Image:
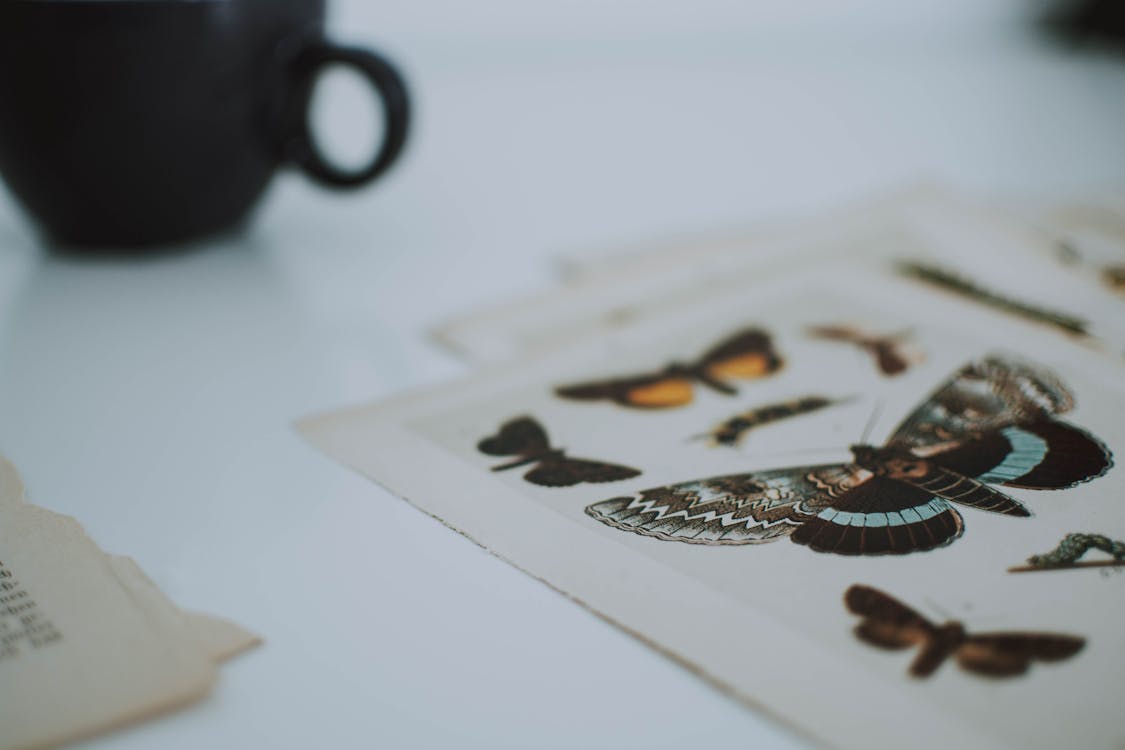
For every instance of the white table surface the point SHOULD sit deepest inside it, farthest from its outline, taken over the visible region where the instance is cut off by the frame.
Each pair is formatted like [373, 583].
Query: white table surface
[154, 399]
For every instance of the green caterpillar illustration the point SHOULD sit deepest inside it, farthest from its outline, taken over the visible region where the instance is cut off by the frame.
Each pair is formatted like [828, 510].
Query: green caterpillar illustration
[1073, 547]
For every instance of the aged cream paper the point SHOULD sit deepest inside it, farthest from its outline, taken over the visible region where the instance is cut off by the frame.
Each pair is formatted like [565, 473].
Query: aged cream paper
[220, 638]
[1084, 237]
[87, 641]
[925, 226]
[767, 621]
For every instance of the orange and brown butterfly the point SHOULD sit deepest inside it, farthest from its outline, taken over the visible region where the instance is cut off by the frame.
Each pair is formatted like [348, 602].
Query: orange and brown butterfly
[885, 348]
[525, 438]
[747, 355]
[890, 624]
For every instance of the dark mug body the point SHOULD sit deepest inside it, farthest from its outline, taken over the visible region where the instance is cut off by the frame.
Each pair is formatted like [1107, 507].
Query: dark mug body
[138, 122]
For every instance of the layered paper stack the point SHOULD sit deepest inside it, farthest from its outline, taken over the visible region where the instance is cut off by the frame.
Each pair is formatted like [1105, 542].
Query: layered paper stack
[857, 471]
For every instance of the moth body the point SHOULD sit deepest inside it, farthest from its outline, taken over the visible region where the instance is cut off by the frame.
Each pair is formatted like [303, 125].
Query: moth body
[942, 643]
[558, 453]
[732, 430]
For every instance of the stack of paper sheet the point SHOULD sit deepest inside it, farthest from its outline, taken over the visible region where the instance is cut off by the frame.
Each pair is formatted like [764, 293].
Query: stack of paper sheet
[857, 471]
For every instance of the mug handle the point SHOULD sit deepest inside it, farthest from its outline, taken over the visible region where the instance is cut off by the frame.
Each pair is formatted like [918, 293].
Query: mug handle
[300, 146]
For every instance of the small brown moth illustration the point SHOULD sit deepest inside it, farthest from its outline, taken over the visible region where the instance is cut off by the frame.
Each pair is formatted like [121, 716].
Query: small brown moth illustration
[526, 439]
[747, 355]
[890, 624]
[885, 348]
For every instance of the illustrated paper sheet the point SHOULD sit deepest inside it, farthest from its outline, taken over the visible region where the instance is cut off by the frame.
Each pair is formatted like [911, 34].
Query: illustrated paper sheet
[813, 495]
[926, 235]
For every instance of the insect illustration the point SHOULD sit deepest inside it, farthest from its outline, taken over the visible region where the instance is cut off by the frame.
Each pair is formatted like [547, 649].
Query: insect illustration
[526, 439]
[1070, 551]
[890, 624]
[992, 423]
[957, 284]
[1111, 273]
[886, 348]
[747, 355]
[1114, 277]
[731, 431]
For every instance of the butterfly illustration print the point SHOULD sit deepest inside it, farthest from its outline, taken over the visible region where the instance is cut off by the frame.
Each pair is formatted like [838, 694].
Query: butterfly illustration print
[885, 348]
[526, 439]
[993, 423]
[747, 355]
[890, 624]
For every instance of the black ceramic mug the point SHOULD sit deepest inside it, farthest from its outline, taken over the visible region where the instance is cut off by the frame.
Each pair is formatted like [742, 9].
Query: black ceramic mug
[137, 122]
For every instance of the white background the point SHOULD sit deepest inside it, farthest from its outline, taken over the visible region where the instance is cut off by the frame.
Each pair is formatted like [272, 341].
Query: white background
[153, 400]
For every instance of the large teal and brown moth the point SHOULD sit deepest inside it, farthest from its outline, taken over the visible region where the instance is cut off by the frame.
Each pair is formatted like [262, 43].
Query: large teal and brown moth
[993, 424]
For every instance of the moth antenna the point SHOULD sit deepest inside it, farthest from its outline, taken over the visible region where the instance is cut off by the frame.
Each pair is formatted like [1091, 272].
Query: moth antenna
[805, 450]
[986, 620]
[932, 605]
[871, 422]
[902, 335]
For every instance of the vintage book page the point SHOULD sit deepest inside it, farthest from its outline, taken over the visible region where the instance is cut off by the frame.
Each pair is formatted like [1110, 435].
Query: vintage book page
[86, 642]
[836, 450]
[220, 638]
[927, 236]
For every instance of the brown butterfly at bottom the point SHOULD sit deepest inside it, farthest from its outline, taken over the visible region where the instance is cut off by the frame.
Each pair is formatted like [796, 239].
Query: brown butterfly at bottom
[888, 623]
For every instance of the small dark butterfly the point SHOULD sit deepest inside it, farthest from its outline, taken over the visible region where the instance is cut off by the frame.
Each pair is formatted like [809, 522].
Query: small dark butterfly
[748, 355]
[888, 623]
[886, 349]
[993, 424]
[525, 438]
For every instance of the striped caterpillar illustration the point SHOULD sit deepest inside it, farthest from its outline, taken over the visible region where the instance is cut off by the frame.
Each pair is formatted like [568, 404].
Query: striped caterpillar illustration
[1073, 547]
[732, 430]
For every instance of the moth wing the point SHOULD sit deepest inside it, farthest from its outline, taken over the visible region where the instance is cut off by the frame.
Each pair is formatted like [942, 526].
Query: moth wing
[991, 663]
[659, 391]
[1009, 654]
[747, 354]
[984, 396]
[880, 516]
[566, 472]
[891, 362]
[887, 623]
[520, 436]
[724, 510]
[888, 636]
[1037, 455]
[1038, 646]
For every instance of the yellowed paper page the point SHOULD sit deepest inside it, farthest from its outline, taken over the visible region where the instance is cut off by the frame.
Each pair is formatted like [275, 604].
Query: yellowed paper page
[220, 638]
[79, 652]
